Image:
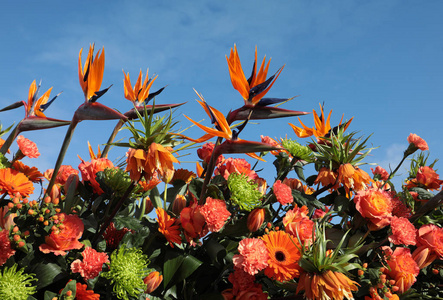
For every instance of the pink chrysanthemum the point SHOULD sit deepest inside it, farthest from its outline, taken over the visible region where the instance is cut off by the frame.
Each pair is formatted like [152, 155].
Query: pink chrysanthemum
[5, 247]
[253, 256]
[215, 213]
[27, 147]
[403, 232]
[282, 192]
[91, 265]
[380, 173]
[418, 142]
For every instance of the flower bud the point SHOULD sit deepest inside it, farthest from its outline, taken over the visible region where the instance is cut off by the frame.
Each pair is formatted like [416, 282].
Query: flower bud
[152, 281]
[178, 204]
[148, 205]
[256, 219]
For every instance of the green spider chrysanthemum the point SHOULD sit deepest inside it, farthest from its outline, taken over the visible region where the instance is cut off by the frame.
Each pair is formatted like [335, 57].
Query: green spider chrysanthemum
[16, 285]
[244, 192]
[297, 150]
[4, 162]
[127, 269]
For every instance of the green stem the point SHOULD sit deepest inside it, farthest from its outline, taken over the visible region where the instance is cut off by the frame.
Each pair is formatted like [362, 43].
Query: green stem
[10, 139]
[391, 175]
[111, 138]
[114, 212]
[165, 194]
[61, 155]
[208, 172]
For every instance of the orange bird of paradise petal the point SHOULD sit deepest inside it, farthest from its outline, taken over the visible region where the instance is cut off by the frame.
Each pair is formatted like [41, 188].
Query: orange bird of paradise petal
[322, 126]
[221, 129]
[256, 87]
[140, 92]
[91, 75]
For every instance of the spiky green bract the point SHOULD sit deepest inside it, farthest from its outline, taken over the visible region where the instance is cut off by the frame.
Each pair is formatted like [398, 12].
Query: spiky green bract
[116, 179]
[154, 130]
[127, 269]
[338, 149]
[16, 285]
[297, 150]
[244, 192]
[4, 162]
[317, 259]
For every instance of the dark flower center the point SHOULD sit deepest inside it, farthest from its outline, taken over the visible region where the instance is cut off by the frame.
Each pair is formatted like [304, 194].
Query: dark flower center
[280, 256]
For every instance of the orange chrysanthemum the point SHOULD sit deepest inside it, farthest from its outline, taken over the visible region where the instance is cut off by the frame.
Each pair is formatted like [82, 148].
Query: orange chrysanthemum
[248, 87]
[12, 182]
[253, 256]
[27, 147]
[91, 265]
[418, 142]
[283, 256]
[31, 172]
[402, 267]
[168, 227]
[283, 193]
[5, 246]
[327, 285]
[403, 231]
[215, 213]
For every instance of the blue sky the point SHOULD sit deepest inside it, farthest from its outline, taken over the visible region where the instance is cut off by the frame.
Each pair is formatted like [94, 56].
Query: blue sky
[377, 61]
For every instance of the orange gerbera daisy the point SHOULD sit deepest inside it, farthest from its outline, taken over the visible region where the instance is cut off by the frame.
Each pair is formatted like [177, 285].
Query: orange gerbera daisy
[168, 227]
[254, 88]
[12, 182]
[31, 172]
[322, 126]
[327, 285]
[283, 256]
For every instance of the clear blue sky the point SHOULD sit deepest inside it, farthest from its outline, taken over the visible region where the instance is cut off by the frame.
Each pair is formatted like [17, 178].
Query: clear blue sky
[377, 61]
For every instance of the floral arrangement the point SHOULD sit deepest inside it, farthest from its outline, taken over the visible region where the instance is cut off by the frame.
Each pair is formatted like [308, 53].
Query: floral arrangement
[105, 230]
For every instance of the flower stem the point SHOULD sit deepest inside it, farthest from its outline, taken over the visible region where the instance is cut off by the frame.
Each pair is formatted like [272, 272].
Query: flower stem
[61, 155]
[10, 139]
[111, 137]
[165, 194]
[114, 212]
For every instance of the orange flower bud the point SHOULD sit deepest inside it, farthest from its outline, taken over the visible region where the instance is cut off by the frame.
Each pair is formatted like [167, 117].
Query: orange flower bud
[10, 205]
[148, 205]
[46, 223]
[17, 237]
[19, 206]
[178, 204]
[21, 244]
[69, 293]
[25, 201]
[256, 219]
[30, 212]
[360, 272]
[47, 200]
[152, 281]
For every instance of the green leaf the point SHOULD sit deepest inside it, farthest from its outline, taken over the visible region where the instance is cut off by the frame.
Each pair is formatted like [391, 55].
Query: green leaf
[172, 262]
[46, 273]
[189, 265]
[155, 198]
